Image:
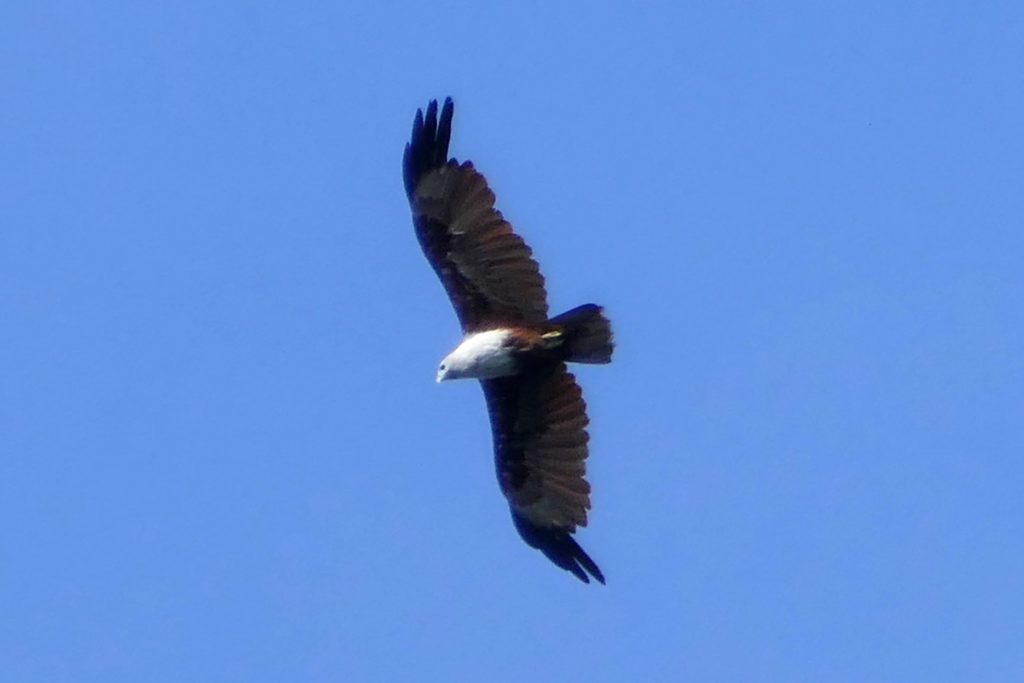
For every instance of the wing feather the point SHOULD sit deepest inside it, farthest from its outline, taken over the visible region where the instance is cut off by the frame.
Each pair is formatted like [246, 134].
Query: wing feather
[538, 421]
[486, 269]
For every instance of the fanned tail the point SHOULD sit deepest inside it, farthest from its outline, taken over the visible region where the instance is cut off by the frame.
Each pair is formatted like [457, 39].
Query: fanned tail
[588, 334]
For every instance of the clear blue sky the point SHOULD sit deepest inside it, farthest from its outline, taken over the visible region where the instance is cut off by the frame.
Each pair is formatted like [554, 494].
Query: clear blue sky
[224, 456]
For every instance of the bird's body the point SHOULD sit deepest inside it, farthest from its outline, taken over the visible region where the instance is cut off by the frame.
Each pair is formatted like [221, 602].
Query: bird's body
[504, 351]
[519, 354]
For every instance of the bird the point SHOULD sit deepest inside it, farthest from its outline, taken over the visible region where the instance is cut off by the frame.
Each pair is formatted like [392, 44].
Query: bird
[537, 413]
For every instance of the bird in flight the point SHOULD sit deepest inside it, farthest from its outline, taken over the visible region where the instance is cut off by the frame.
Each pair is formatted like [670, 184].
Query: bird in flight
[538, 416]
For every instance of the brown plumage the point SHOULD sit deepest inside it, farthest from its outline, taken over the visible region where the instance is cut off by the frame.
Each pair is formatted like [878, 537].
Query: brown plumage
[538, 416]
[486, 268]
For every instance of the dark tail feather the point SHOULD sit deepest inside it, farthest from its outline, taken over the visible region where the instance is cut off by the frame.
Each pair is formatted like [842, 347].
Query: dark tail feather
[560, 548]
[588, 334]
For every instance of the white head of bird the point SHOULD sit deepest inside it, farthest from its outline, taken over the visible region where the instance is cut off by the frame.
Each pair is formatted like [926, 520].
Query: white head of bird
[484, 355]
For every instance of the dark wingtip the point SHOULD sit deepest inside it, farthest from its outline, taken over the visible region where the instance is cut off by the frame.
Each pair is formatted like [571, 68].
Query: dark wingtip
[559, 547]
[428, 144]
[444, 130]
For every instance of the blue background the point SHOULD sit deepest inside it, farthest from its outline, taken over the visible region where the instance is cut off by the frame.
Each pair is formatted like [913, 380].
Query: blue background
[224, 456]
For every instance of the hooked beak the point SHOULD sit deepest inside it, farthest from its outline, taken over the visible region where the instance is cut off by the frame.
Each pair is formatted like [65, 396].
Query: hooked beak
[442, 371]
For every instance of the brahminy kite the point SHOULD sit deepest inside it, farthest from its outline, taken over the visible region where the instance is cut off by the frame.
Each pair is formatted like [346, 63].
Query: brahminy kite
[538, 416]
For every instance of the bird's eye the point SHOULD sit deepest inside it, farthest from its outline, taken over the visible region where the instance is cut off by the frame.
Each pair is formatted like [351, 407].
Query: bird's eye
[443, 367]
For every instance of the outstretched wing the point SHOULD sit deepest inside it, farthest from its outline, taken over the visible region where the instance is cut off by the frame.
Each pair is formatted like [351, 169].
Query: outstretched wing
[486, 268]
[539, 421]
